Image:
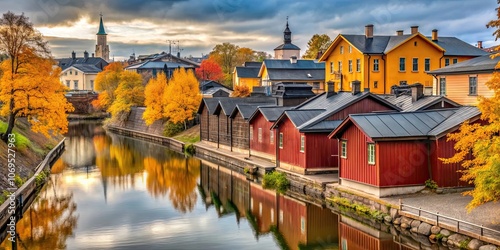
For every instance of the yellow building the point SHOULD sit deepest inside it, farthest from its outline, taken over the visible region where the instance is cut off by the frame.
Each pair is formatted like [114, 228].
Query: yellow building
[80, 77]
[247, 75]
[464, 82]
[380, 62]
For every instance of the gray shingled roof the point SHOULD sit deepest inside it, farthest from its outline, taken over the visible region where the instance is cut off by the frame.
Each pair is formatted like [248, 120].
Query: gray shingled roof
[65, 63]
[299, 117]
[87, 68]
[474, 65]
[457, 47]
[412, 124]
[245, 110]
[296, 74]
[210, 103]
[289, 46]
[247, 72]
[375, 45]
[323, 126]
[214, 90]
[270, 113]
[253, 64]
[227, 104]
[406, 104]
[159, 65]
[394, 41]
[286, 64]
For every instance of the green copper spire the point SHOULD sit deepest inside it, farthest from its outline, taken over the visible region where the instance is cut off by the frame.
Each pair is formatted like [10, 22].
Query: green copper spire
[101, 28]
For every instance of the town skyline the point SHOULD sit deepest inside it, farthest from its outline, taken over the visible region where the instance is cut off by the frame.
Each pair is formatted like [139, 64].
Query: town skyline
[140, 28]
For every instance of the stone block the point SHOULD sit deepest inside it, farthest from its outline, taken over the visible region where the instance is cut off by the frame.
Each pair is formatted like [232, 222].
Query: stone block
[415, 223]
[456, 239]
[394, 213]
[475, 244]
[397, 221]
[404, 225]
[488, 247]
[435, 230]
[388, 218]
[384, 209]
[424, 229]
[406, 220]
[445, 232]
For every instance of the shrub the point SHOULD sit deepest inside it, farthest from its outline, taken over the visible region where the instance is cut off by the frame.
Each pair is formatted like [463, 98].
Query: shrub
[21, 142]
[277, 181]
[431, 184]
[18, 181]
[40, 178]
[190, 150]
[172, 129]
[439, 236]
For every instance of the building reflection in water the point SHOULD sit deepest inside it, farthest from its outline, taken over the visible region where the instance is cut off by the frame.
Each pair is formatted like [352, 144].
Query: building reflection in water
[293, 223]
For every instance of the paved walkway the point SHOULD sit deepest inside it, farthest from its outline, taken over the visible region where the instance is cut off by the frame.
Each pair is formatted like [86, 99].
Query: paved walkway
[452, 205]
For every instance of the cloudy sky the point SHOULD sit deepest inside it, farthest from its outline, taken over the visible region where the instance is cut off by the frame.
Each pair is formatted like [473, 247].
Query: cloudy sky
[145, 27]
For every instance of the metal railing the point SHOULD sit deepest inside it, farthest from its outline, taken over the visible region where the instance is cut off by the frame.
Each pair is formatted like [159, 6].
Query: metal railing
[459, 226]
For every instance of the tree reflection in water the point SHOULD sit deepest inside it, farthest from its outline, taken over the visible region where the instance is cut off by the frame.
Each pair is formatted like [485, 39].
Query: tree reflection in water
[48, 222]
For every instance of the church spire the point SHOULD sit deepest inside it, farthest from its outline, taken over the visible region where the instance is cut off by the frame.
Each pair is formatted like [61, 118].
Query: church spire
[287, 34]
[101, 28]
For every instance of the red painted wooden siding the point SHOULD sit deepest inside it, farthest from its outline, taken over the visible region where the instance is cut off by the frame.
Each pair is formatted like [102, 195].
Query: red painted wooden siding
[366, 105]
[319, 150]
[355, 167]
[265, 146]
[290, 153]
[402, 163]
[446, 175]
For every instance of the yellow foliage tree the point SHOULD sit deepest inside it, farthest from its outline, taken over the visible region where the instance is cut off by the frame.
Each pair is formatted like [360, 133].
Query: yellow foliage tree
[483, 141]
[153, 99]
[181, 97]
[130, 92]
[106, 83]
[241, 91]
[33, 90]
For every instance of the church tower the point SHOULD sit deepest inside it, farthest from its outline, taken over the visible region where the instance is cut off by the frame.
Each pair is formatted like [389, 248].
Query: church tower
[287, 49]
[102, 47]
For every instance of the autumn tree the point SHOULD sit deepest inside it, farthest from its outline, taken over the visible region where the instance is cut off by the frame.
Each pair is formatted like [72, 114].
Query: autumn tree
[181, 97]
[210, 70]
[29, 86]
[483, 141]
[129, 93]
[153, 99]
[318, 43]
[241, 91]
[106, 83]
[228, 56]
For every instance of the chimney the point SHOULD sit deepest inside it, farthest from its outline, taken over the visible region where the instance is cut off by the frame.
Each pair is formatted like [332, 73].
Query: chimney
[414, 30]
[356, 87]
[92, 55]
[367, 90]
[179, 54]
[73, 55]
[399, 32]
[434, 35]
[417, 91]
[320, 53]
[369, 31]
[480, 44]
[330, 89]
[293, 59]
[86, 54]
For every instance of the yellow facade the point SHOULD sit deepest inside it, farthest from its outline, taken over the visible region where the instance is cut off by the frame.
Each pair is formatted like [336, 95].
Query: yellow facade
[76, 79]
[457, 87]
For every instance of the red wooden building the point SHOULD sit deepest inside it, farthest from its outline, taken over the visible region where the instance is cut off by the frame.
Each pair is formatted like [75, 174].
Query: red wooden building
[395, 153]
[302, 143]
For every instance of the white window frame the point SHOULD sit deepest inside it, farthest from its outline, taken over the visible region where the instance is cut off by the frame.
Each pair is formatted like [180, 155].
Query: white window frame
[376, 65]
[302, 143]
[358, 65]
[371, 153]
[280, 141]
[402, 64]
[349, 63]
[271, 137]
[259, 135]
[343, 149]
[251, 132]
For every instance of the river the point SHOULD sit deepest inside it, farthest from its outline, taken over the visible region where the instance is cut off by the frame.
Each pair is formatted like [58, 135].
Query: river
[112, 192]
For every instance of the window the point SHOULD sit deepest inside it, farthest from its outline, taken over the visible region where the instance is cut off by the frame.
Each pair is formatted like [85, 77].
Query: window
[75, 83]
[371, 153]
[331, 68]
[259, 135]
[403, 83]
[68, 83]
[341, 49]
[427, 64]
[350, 66]
[402, 66]
[415, 65]
[375, 84]
[280, 144]
[76, 72]
[358, 65]
[455, 60]
[442, 86]
[302, 224]
[251, 132]
[375, 64]
[271, 137]
[343, 149]
[472, 85]
[446, 61]
[340, 66]
[70, 72]
[281, 216]
[350, 49]
[302, 143]
[91, 84]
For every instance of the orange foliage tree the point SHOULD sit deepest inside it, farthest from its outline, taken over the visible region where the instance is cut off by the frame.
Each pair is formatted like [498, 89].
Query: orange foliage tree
[483, 141]
[153, 98]
[130, 92]
[106, 83]
[181, 97]
[241, 91]
[29, 85]
[210, 70]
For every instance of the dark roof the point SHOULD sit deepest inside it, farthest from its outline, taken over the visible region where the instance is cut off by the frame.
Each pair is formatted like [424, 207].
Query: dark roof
[334, 104]
[421, 124]
[204, 85]
[287, 64]
[273, 113]
[159, 65]
[227, 104]
[65, 63]
[287, 46]
[290, 75]
[163, 56]
[245, 110]
[474, 65]
[406, 104]
[375, 45]
[87, 68]
[214, 90]
[323, 126]
[293, 90]
[210, 103]
[247, 72]
[299, 117]
[253, 64]
[457, 47]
